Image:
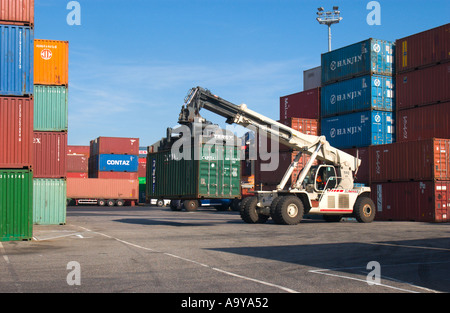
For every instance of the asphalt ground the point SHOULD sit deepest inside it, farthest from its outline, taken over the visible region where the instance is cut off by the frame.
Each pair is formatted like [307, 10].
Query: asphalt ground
[147, 249]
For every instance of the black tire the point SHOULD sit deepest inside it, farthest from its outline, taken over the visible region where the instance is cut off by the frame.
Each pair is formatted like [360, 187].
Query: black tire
[364, 210]
[160, 203]
[120, 202]
[236, 205]
[289, 210]
[175, 205]
[332, 218]
[101, 202]
[110, 202]
[273, 207]
[249, 214]
[190, 205]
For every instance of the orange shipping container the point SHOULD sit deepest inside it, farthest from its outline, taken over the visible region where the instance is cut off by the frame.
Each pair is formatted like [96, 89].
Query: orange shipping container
[98, 188]
[51, 62]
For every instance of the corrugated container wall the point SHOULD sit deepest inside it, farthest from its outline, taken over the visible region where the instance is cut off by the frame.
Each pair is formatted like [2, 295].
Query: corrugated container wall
[81, 188]
[115, 145]
[371, 56]
[16, 205]
[312, 78]
[16, 60]
[50, 154]
[424, 201]
[17, 12]
[371, 92]
[359, 129]
[305, 104]
[113, 175]
[419, 160]
[50, 108]
[432, 121]
[422, 87]
[51, 62]
[422, 49]
[16, 132]
[217, 174]
[49, 201]
[84, 150]
[77, 163]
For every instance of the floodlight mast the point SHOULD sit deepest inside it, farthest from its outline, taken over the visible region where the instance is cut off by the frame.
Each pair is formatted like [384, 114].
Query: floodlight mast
[329, 18]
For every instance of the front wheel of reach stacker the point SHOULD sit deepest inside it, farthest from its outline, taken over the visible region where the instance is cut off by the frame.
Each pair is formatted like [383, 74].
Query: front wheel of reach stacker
[249, 211]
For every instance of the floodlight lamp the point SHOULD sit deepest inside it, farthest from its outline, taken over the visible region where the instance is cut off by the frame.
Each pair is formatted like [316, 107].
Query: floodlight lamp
[335, 8]
[320, 9]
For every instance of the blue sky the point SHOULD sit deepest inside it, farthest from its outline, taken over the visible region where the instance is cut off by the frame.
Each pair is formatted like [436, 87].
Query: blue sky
[133, 62]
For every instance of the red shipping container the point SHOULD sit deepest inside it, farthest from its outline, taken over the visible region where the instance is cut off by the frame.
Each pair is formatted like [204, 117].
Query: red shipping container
[422, 87]
[142, 167]
[17, 12]
[273, 178]
[363, 174]
[422, 49]
[96, 188]
[426, 159]
[77, 163]
[432, 121]
[50, 158]
[424, 201]
[305, 104]
[77, 175]
[115, 145]
[84, 150]
[16, 132]
[113, 175]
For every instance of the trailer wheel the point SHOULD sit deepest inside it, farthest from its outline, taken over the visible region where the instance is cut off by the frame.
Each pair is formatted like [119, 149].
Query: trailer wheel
[190, 205]
[160, 202]
[101, 202]
[110, 202]
[120, 202]
[249, 213]
[175, 205]
[364, 210]
[289, 211]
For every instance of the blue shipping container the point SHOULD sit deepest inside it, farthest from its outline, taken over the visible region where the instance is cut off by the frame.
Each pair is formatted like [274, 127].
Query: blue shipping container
[117, 162]
[16, 60]
[371, 56]
[370, 92]
[360, 129]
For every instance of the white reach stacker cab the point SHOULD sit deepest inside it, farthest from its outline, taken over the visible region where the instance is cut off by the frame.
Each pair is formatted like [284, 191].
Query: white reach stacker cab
[325, 189]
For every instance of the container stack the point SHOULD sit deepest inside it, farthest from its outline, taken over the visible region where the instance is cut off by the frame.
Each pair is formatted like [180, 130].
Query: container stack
[410, 179]
[357, 97]
[51, 67]
[77, 161]
[142, 171]
[114, 158]
[16, 119]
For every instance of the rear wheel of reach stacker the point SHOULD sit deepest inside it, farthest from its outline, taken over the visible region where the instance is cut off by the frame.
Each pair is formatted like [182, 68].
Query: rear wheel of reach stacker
[249, 213]
[364, 210]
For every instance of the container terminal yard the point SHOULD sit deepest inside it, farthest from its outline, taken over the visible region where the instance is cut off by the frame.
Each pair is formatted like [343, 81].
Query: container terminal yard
[358, 201]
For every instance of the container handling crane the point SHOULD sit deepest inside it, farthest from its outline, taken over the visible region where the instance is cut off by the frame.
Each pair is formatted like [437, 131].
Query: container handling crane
[334, 196]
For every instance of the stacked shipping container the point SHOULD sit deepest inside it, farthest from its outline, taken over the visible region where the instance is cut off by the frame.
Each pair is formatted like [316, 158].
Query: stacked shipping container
[357, 97]
[16, 119]
[410, 179]
[142, 171]
[114, 158]
[50, 130]
[77, 161]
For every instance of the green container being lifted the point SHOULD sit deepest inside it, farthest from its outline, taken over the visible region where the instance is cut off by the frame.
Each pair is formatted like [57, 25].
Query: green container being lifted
[214, 174]
[16, 205]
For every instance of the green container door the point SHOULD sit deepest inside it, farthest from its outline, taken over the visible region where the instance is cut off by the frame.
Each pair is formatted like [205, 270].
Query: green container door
[50, 108]
[16, 205]
[49, 201]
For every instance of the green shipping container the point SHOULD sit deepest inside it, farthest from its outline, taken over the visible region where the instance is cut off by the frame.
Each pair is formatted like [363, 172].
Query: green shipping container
[49, 201]
[16, 205]
[50, 108]
[216, 174]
